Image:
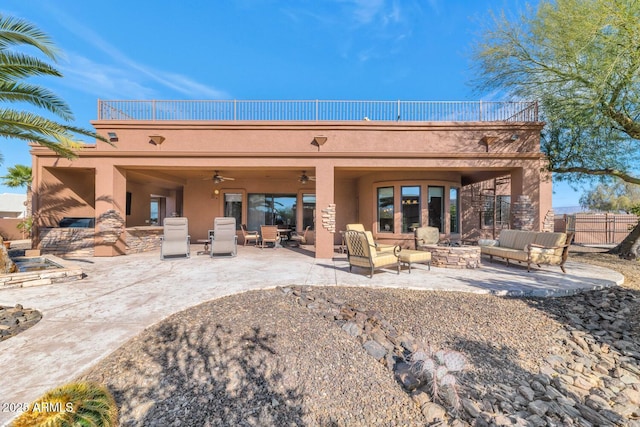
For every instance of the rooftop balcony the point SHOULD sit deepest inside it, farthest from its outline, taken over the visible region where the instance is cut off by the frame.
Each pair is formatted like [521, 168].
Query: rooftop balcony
[319, 110]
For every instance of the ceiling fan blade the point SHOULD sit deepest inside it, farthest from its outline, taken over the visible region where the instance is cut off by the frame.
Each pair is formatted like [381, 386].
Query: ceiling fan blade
[227, 178]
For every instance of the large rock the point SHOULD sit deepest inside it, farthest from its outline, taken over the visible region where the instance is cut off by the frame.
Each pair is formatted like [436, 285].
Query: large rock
[6, 265]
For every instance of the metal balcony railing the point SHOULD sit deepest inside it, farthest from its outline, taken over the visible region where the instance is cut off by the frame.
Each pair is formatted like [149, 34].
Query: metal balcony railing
[317, 110]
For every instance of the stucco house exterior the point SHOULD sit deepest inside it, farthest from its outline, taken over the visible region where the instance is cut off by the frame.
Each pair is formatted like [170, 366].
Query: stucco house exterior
[468, 168]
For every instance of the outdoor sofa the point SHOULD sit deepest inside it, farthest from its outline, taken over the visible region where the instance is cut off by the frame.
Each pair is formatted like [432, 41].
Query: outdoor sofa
[532, 247]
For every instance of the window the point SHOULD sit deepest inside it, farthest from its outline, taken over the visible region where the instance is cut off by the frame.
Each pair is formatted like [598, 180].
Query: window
[308, 209]
[271, 209]
[502, 210]
[233, 207]
[154, 211]
[385, 209]
[410, 208]
[454, 209]
[436, 208]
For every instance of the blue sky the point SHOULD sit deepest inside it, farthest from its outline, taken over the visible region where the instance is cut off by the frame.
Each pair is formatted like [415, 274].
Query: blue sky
[259, 49]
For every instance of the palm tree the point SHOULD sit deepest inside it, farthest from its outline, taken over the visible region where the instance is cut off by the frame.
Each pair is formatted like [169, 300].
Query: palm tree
[15, 67]
[17, 176]
[20, 176]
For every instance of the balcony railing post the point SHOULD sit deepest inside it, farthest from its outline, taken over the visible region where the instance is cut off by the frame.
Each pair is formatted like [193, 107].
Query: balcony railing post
[317, 106]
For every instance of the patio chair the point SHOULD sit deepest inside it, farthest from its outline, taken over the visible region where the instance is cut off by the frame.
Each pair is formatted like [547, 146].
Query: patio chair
[175, 240]
[361, 253]
[300, 239]
[380, 247]
[225, 240]
[426, 236]
[249, 235]
[270, 234]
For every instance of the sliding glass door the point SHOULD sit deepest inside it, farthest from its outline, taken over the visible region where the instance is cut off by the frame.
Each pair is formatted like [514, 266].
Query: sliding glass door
[271, 209]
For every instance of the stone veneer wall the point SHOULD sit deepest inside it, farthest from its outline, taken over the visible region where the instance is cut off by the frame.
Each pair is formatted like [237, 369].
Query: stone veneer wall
[143, 239]
[80, 242]
[523, 213]
[549, 222]
[67, 241]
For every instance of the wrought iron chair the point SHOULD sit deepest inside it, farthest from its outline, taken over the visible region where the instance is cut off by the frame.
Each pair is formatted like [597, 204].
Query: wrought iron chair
[361, 253]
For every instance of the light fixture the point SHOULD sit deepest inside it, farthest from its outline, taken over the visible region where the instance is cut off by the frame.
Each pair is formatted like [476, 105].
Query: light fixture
[156, 139]
[515, 137]
[304, 179]
[113, 137]
[320, 140]
[488, 140]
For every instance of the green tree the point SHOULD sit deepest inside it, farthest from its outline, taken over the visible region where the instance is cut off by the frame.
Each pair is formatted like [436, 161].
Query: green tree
[619, 197]
[580, 60]
[17, 176]
[15, 67]
[20, 176]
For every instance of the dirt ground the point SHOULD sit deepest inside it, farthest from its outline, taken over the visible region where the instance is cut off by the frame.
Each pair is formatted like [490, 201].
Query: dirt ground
[596, 256]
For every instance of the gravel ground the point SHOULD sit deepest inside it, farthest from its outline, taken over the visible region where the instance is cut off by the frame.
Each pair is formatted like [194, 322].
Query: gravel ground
[260, 358]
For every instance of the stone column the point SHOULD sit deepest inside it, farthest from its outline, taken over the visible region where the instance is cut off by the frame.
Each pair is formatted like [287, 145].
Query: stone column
[523, 213]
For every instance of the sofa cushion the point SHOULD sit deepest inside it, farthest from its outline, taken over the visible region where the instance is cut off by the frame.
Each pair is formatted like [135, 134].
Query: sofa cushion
[507, 238]
[488, 242]
[545, 256]
[523, 239]
[550, 239]
[509, 253]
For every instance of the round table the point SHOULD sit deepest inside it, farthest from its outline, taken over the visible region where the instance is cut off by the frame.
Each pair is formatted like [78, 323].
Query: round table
[464, 256]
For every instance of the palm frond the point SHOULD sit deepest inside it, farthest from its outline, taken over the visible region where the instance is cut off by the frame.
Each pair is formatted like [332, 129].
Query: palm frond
[35, 95]
[17, 65]
[15, 31]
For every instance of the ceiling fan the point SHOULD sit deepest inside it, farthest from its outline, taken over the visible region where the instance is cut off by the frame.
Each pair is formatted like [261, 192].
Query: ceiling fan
[304, 178]
[217, 178]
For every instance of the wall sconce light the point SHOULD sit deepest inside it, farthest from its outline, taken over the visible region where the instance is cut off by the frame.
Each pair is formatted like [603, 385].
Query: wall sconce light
[515, 137]
[156, 139]
[488, 140]
[320, 140]
[113, 137]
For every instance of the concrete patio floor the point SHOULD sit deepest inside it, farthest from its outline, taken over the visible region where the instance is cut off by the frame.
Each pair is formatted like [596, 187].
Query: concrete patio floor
[84, 321]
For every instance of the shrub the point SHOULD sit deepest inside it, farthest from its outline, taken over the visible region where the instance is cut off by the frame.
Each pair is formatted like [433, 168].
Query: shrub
[79, 404]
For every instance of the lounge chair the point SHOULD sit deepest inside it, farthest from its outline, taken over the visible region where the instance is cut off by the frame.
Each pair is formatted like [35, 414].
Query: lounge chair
[225, 240]
[270, 234]
[175, 239]
[300, 239]
[249, 235]
[361, 253]
[380, 247]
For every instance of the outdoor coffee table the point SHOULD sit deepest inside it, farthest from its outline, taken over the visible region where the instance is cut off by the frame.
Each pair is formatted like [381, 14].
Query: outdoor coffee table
[464, 256]
[205, 251]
